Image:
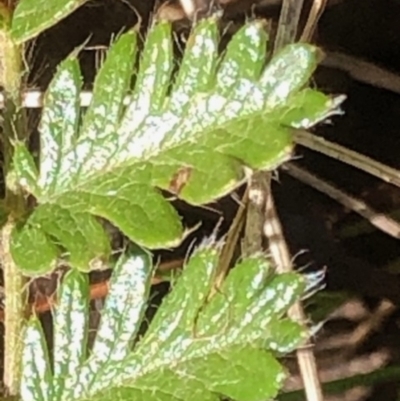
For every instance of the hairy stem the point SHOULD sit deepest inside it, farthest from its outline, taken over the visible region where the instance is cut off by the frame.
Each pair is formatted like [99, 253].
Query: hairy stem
[11, 72]
[14, 314]
[287, 32]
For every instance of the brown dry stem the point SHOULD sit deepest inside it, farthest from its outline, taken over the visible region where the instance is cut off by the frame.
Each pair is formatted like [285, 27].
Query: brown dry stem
[379, 220]
[348, 156]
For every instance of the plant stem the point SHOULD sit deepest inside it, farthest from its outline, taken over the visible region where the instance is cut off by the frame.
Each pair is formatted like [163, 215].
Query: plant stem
[14, 314]
[259, 188]
[376, 218]
[11, 74]
[287, 33]
[288, 23]
[388, 374]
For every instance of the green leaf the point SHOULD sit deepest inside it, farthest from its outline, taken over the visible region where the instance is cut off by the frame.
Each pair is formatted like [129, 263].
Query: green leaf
[196, 134]
[23, 161]
[284, 335]
[109, 89]
[193, 350]
[247, 366]
[32, 17]
[244, 57]
[78, 232]
[154, 75]
[59, 123]
[32, 251]
[282, 77]
[36, 376]
[123, 312]
[85, 238]
[197, 69]
[70, 326]
[313, 105]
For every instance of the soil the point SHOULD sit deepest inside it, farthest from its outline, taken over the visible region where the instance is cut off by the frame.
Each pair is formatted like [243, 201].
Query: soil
[362, 334]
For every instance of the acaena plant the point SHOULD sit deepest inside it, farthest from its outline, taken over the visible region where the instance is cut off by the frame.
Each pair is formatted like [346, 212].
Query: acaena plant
[214, 122]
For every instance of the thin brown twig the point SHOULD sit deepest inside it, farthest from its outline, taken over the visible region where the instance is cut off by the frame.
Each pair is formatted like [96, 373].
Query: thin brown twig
[377, 219]
[288, 23]
[228, 250]
[363, 71]
[317, 8]
[349, 343]
[258, 191]
[287, 32]
[281, 256]
[348, 156]
[261, 212]
[368, 323]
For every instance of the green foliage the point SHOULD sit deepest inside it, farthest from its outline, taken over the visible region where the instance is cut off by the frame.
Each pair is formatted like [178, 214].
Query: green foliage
[192, 349]
[197, 133]
[221, 116]
[31, 17]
